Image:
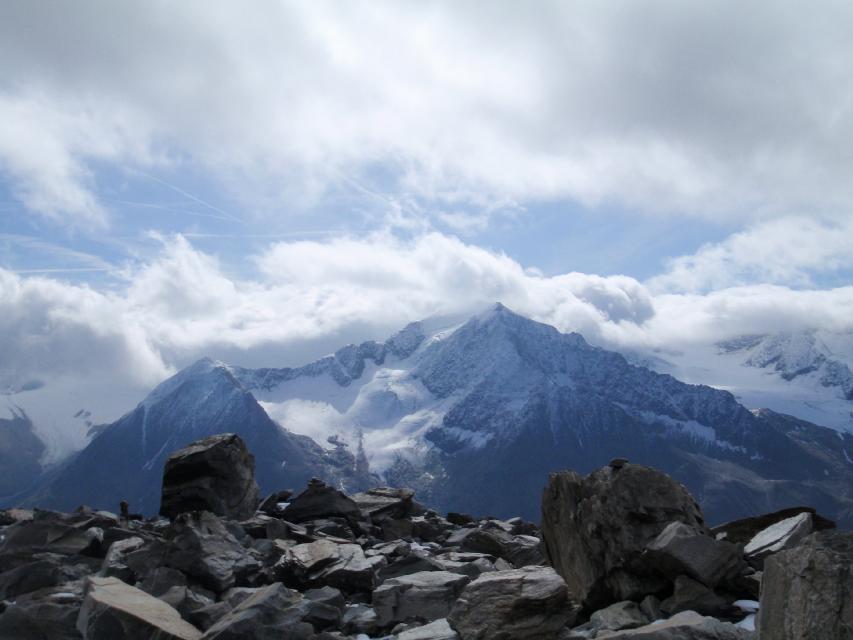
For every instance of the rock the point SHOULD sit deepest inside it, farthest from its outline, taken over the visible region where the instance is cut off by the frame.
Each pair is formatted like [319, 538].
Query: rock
[47, 571]
[274, 612]
[45, 614]
[270, 504]
[324, 562]
[407, 565]
[617, 463]
[621, 615]
[781, 535]
[744, 530]
[185, 601]
[691, 595]
[215, 474]
[202, 548]
[161, 580]
[385, 502]
[322, 501]
[680, 550]
[650, 606]
[528, 603]
[327, 595]
[437, 630]
[112, 609]
[115, 565]
[359, 618]
[51, 536]
[807, 591]
[460, 519]
[424, 596]
[688, 625]
[595, 529]
[520, 551]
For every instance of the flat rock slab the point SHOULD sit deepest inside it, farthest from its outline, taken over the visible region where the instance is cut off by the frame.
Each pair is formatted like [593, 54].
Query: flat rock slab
[780, 535]
[437, 630]
[112, 609]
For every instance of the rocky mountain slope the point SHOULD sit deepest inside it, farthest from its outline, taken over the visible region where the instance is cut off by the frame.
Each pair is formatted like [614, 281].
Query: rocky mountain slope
[470, 416]
[622, 553]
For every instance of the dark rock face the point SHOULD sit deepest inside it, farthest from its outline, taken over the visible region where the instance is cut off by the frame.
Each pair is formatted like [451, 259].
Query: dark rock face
[215, 474]
[532, 602]
[20, 452]
[807, 591]
[321, 501]
[744, 530]
[595, 529]
[688, 625]
[679, 550]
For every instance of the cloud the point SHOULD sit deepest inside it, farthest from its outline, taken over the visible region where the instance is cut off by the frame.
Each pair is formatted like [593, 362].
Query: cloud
[719, 110]
[789, 251]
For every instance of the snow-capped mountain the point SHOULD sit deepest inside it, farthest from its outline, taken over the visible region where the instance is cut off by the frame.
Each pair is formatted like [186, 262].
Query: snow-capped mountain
[806, 373]
[473, 417]
[125, 460]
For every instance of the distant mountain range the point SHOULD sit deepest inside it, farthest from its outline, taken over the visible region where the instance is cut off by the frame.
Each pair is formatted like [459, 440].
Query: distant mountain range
[472, 417]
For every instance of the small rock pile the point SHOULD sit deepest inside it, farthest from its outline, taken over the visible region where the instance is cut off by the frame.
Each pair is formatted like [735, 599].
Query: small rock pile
[632, 554]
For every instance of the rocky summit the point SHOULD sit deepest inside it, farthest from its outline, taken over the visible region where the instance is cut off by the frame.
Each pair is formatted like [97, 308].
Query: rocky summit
[621, 553]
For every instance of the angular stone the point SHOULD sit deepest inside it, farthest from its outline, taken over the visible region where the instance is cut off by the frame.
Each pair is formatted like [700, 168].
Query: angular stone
[688, 625]
[203, 548]
[691, 595]
[520, 604]
[385, 502]
[807, 591]
[437, 630]
[274, 612]
[45, 614]
[115, 565]
[51, 536]
[47, 571]
[424, 596]
[781, 535]
[621, 615]
[270, 504]
[321, 501]
[595, 529]
[360, 618]
[112, 609]
[680, 550]
[324, 562]
[407, 565]
[215, 474]
[520, 551]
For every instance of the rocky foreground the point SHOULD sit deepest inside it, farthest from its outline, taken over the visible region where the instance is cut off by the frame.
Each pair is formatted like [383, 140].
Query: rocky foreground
[621, 553]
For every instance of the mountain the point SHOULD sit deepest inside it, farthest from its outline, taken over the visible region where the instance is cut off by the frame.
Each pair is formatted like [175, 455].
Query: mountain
[125, 460]
[20, 452]
[471, 417]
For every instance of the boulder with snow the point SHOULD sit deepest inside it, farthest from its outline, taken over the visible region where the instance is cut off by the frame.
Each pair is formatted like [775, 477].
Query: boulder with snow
[778, 536]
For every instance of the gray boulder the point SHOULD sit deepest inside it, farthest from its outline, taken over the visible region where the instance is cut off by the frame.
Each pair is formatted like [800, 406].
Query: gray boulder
[743, 530]
[112, 609]
[215, 474]
[519, 604]
[621, 615]
[691, 595]
[319, 501]
[520, 551]
[807, 591]
[688, 625]
[202, 548]
[273, 612]
[424, 596]
[327, 563]
[680, 550]
[45, 614]
[115, 563]
[595, 529]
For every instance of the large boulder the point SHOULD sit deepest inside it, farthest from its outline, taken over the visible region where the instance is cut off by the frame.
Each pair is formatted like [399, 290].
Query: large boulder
[519, 604]
[215, 474]
[595, 529]
[112, 609]
[49, 613]
[521, 551]
[807, 591]
[688, 625]
[424, 596]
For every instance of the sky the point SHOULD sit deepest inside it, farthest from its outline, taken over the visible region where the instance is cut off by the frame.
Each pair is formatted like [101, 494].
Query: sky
[263, 183]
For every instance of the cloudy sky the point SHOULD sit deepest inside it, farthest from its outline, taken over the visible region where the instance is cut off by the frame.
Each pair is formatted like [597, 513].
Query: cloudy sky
[262, 182]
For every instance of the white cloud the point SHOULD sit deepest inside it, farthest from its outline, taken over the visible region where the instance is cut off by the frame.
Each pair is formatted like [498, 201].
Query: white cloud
[786, 251]
[718, 109]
